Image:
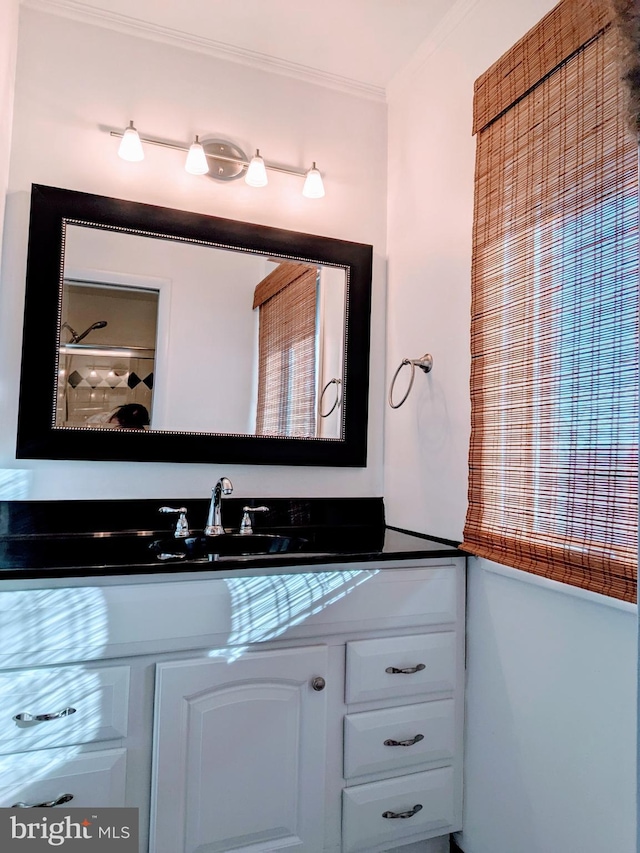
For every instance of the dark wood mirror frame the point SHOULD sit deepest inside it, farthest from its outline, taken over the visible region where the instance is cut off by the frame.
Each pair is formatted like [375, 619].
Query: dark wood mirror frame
[39, 438]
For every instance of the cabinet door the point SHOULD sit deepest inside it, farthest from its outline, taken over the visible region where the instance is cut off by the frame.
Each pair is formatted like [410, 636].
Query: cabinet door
[239, 754]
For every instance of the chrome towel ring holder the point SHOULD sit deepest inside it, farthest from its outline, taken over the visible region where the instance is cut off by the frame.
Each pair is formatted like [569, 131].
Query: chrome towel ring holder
[337, 383]
[425, 364]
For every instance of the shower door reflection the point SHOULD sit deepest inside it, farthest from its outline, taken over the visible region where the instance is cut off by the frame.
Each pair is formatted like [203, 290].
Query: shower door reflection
[106, 370]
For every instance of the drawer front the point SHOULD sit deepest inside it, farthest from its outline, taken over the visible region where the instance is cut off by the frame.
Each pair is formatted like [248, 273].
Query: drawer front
[92, 779]
[396, 667]
[398, 738]
[367, 822]
[99, 698]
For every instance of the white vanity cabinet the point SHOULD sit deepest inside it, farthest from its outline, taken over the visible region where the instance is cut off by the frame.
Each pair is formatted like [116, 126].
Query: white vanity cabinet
[306, 711]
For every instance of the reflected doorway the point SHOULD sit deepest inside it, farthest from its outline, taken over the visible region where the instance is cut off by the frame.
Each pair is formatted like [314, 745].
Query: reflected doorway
[107, 353]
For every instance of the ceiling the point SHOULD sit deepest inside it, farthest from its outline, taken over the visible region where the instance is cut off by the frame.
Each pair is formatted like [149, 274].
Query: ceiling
[362, 43]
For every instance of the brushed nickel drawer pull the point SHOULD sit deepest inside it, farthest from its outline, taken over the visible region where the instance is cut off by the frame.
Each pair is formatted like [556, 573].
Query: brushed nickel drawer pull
[63, 798]
[411, 742]
[402, 815]
[43, 718]
[408, 670]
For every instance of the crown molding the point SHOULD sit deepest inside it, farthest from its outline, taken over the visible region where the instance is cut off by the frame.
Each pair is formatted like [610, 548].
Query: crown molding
[79, 11]
[441, 32]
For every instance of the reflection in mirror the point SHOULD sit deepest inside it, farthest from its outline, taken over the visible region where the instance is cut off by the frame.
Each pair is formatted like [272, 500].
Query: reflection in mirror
[253, 348]
[205, 339]
[106, 371]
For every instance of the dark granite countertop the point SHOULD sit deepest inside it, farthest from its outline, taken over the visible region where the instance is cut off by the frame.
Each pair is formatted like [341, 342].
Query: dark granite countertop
[46, 539]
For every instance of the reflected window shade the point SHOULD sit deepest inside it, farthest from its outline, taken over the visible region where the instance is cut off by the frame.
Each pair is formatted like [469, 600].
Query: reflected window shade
[287, 360]
[282, 276]
[554, 384]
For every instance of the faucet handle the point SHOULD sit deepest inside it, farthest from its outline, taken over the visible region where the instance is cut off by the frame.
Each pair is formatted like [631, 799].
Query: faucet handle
[182, 525]
[245, 525]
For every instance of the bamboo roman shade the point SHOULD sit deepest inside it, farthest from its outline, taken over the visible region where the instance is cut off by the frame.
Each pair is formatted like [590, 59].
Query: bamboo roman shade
[286, 299]
[554, 383]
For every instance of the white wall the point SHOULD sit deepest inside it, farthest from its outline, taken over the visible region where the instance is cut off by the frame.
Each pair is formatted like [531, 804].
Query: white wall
[550, 719]
[8, 44]
[8, 47]
[550, 741]
[72, 78]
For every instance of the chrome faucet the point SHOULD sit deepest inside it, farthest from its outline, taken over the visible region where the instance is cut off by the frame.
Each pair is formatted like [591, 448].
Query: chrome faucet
[214, 521]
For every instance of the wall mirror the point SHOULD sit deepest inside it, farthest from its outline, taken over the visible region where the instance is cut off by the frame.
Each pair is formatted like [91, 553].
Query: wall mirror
[154, 334]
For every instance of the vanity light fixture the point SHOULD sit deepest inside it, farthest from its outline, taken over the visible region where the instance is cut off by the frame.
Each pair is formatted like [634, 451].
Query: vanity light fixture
[256, 173]
[313, 186]
[196, 163]
[131, 148]
[218, 159]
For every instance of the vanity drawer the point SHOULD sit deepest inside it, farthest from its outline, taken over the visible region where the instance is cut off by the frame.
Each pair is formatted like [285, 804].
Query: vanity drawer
[398, 738]
[365, 829]
[397, 667]
[93, 779]
[99, 697]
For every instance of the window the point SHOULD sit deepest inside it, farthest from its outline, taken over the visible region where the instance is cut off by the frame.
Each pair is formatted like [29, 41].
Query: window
[554, 387]
[287, 300]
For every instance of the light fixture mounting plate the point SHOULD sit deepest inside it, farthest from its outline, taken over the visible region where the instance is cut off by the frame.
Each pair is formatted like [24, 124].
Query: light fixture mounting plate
[223, 157]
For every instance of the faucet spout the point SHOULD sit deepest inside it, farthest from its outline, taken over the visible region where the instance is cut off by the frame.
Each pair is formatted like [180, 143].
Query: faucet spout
[214, 521]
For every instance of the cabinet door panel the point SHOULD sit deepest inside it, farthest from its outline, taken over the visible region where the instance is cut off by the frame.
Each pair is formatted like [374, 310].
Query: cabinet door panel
[239, 754]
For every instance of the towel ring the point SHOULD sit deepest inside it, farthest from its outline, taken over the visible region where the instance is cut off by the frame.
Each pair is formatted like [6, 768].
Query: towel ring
[425, 363]
[337, 383]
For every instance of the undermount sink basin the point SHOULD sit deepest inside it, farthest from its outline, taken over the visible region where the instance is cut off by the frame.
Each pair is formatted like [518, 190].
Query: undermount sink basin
[227, 544]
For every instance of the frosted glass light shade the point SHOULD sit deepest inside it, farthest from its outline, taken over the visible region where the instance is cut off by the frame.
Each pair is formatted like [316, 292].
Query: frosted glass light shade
[131, 148]
[196, 163]
[256, 173]
[313, 186]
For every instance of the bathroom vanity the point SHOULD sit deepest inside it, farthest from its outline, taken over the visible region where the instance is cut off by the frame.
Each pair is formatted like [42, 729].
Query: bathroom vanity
[302, 701]
[298, 685]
